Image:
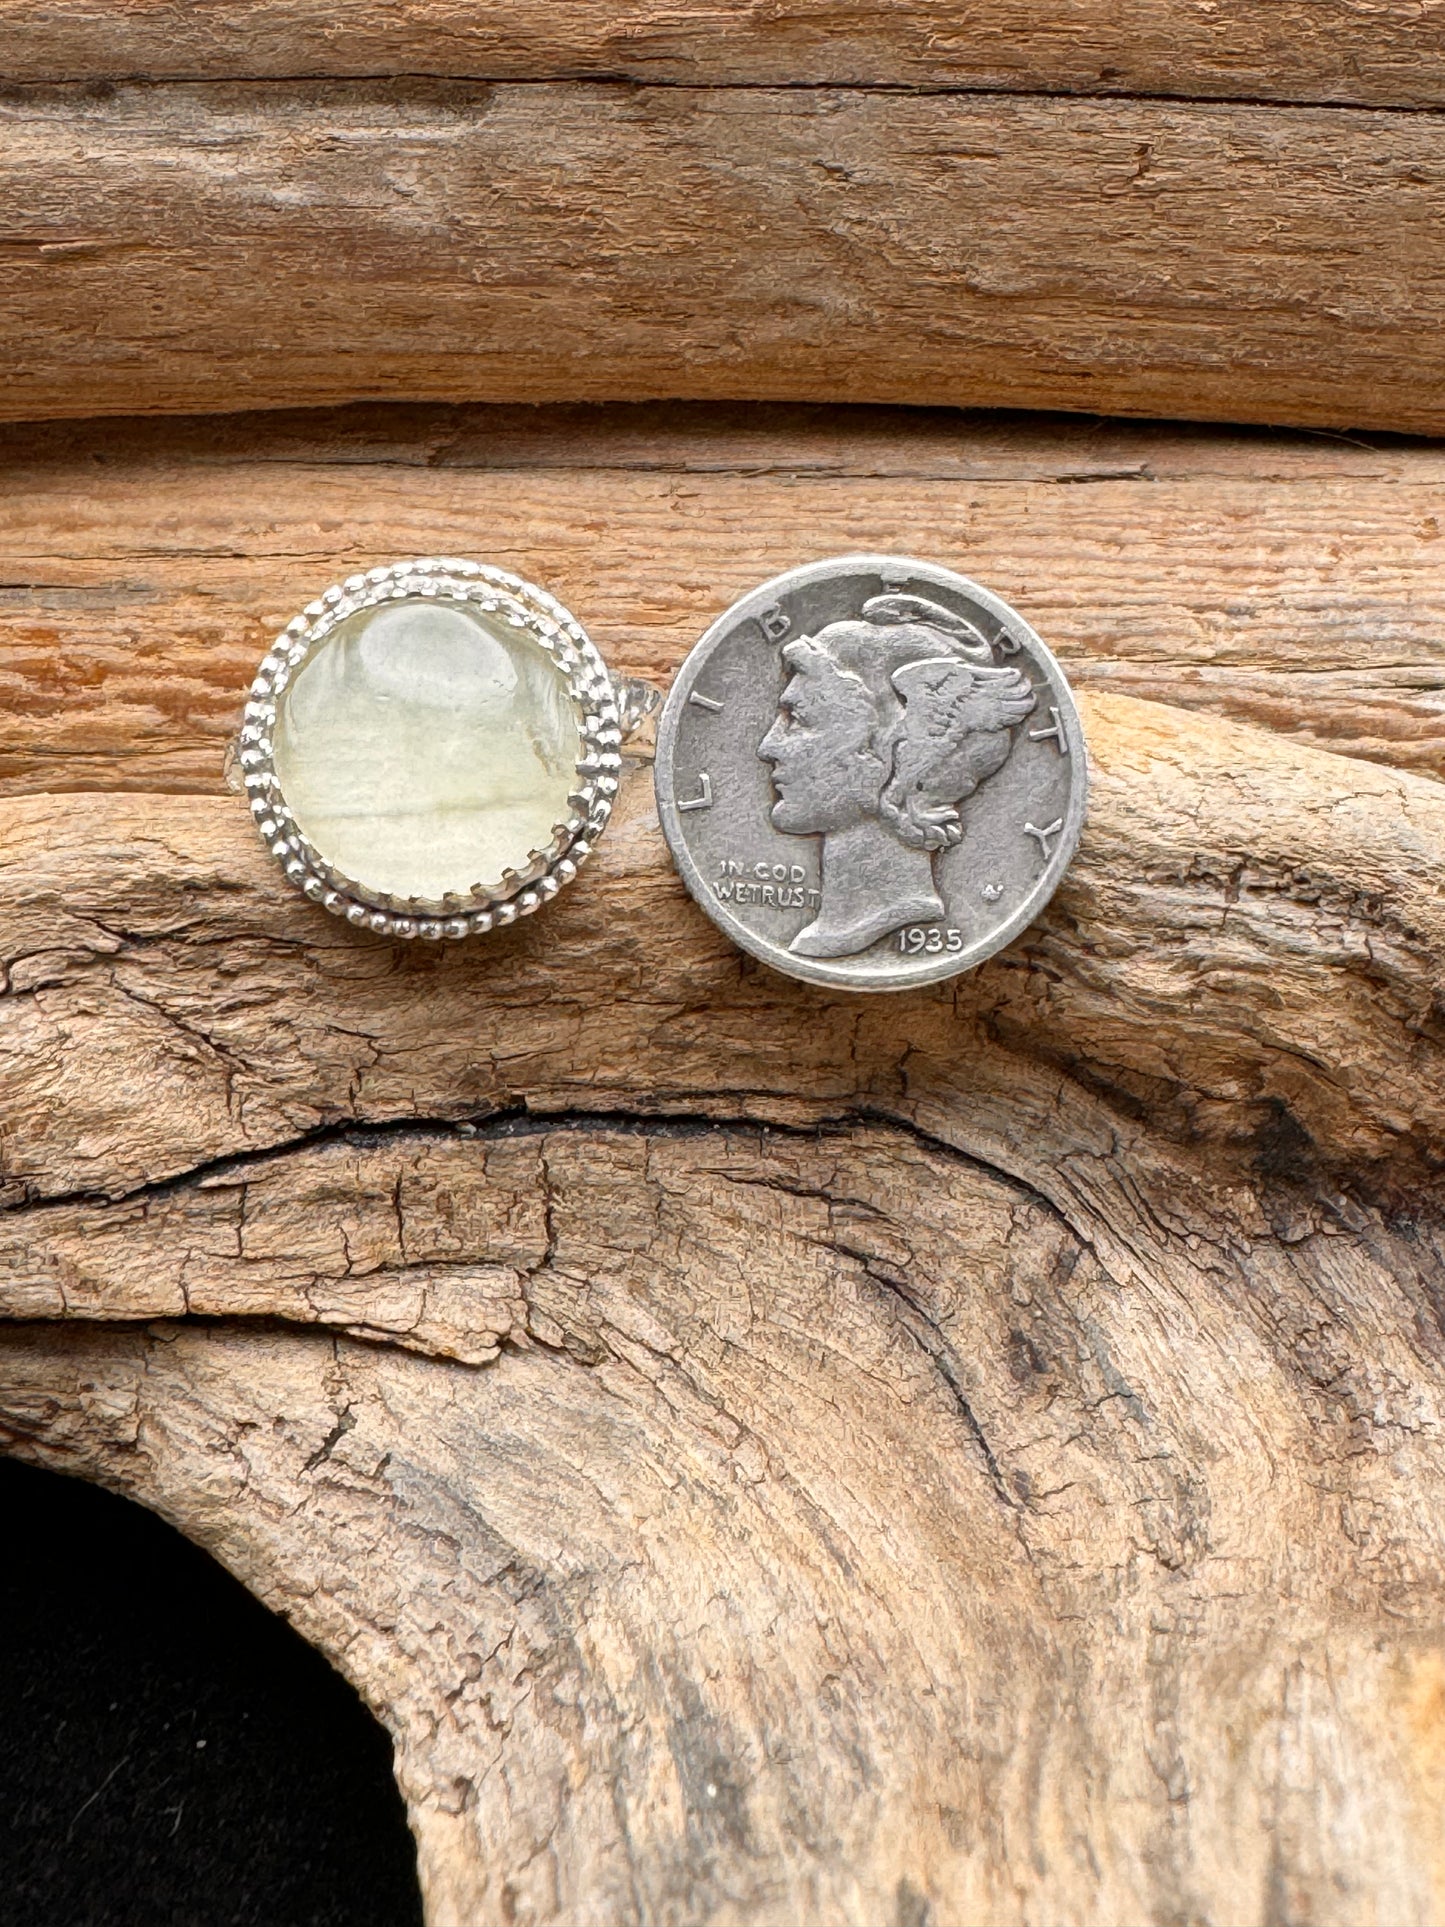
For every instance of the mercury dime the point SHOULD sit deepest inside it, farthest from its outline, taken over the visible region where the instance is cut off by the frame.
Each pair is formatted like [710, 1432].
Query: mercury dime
[871, 773]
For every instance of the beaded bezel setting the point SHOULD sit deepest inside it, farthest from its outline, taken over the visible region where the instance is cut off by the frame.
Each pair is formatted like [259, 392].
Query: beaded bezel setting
[541, 873]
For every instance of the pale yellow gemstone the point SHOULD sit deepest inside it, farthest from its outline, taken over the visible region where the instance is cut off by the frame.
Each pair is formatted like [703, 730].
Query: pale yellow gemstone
[425, 747]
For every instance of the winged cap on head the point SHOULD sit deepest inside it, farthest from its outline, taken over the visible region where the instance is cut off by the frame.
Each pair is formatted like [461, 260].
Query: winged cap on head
[958, 712]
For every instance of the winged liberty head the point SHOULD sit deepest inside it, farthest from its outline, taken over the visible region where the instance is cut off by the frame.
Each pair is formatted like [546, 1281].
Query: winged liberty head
[888, 723]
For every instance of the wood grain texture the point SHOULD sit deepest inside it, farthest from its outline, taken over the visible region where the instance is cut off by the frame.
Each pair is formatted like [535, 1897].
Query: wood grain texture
[1385, 53]
[214, 246]
[1293, 582]
[770, 1454]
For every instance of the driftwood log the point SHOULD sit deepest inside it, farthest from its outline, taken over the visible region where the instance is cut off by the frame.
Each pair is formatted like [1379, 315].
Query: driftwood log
[278, 227]
[1296, 582]
[964, 1457]
[1385, 53]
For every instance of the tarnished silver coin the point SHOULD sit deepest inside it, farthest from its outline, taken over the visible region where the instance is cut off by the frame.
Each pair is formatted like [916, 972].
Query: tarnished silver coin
[871, 773]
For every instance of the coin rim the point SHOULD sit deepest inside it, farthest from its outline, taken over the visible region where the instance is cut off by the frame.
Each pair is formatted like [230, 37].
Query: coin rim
[819, 971]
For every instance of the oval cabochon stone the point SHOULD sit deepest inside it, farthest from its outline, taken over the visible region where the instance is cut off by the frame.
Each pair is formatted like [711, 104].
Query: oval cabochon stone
[426, 746]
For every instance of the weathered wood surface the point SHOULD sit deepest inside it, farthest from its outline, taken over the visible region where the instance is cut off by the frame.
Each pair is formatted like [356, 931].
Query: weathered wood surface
[1386, 54]
[215, 245]
[1295, 582]
[967, 1456]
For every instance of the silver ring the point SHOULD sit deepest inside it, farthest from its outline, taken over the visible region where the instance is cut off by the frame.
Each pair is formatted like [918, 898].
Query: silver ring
[531, 636]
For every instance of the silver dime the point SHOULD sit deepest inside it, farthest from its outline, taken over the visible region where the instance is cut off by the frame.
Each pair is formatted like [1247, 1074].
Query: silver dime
[871, 773]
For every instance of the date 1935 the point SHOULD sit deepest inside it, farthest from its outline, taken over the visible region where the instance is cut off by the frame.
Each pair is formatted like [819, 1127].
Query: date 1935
[933, 939]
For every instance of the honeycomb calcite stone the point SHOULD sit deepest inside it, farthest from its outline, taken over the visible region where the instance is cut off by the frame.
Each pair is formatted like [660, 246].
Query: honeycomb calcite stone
[426, 747]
